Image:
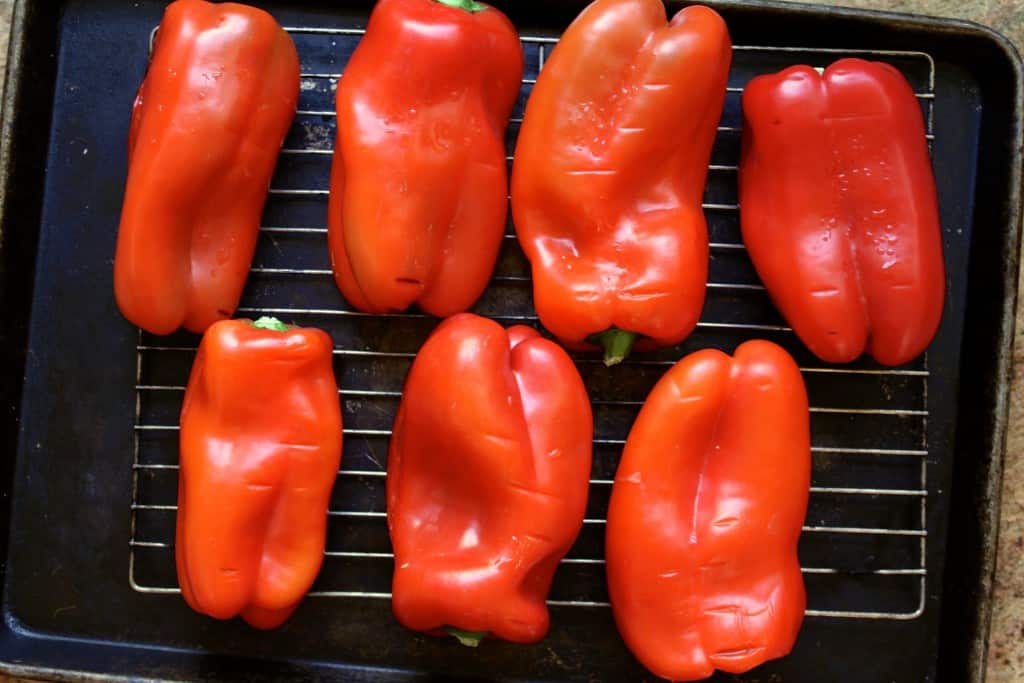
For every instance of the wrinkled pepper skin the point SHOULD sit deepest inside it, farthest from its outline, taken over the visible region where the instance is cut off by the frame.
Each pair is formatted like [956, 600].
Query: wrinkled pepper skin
[487, 482]
[419, 185]
[839, 210]
[705, 514]
[610, 171]
[260, 449]
[207, 126]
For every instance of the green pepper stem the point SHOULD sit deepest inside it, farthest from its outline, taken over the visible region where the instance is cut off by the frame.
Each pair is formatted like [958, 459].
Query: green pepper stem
[468, 5]
[272, 324]
[616, 344]
[467, 638]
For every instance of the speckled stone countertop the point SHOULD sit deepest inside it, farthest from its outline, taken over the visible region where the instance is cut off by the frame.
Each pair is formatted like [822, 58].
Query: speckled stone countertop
[1006, 645]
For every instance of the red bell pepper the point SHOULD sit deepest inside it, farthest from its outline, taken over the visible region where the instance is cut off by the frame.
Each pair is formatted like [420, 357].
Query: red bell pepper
[488, 472]
[260, 449]
[705, 514]
[610, 170]
[206, 129]
[419, 185]
[839, 210]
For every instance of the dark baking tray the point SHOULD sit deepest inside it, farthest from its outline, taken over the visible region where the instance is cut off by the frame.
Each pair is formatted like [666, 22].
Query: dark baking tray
[71, 366]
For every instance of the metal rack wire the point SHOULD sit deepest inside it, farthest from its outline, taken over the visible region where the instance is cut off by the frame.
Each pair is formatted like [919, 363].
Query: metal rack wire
[869, 423]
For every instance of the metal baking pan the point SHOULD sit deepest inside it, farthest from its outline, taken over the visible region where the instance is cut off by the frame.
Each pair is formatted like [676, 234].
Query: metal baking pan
[900, 539]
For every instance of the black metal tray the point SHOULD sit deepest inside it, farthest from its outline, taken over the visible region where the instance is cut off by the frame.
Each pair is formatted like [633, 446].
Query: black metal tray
[899, 545]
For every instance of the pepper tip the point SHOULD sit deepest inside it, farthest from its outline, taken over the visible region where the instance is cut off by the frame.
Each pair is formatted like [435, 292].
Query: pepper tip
[616, 343]
[268, 323]
[467, 638]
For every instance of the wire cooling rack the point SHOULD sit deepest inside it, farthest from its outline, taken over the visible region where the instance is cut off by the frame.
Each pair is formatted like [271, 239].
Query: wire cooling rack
[863, 547]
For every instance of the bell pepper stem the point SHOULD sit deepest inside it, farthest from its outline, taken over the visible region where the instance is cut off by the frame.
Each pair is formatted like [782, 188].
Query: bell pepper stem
[616, 344]
[467, 638]
[272, 324]
[468, 5]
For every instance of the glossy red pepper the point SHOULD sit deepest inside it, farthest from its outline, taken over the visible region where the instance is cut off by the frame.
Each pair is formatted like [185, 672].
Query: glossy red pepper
[419, 186]
[260, 449]
[609, 174]
[705, 514]
[839, 210]
[207, 126]
[487, 483]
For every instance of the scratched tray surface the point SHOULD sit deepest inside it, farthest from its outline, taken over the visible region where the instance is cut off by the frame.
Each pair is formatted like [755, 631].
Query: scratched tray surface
[863, 550]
